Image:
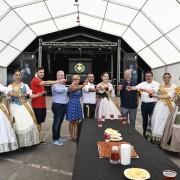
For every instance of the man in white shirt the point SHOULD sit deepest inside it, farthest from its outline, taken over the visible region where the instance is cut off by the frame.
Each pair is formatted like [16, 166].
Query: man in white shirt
[89, 97]
[146, 89]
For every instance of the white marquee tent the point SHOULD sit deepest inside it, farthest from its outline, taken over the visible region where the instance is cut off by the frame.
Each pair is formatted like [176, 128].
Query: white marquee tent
[150, 27]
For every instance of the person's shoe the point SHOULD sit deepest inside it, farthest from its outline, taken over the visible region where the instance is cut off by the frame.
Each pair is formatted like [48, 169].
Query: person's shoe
[62, 140]
[43, 142]
[71, 140]
[59, 143]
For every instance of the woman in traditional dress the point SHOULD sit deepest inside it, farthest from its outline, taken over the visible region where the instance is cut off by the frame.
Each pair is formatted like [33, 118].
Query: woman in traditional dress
[105, 107]
[163, 108]
[8, 141]
[25, 122]
[171, 137]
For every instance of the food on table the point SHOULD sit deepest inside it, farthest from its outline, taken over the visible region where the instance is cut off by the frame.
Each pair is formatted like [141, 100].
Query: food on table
[116, 138]
[112, 134]
[104, 148]
[112, 131]
[136, 173]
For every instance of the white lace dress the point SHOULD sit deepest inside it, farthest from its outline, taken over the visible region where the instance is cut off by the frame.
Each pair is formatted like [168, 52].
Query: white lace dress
[8, 141]
[25, 127]
[161, 114]
[105, 107]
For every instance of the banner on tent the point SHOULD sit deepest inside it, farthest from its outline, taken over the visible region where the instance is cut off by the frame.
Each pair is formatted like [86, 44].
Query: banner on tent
[130, 62]
[26, 63]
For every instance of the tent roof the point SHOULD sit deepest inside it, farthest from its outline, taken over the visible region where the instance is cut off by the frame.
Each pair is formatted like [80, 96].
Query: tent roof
[150, 27]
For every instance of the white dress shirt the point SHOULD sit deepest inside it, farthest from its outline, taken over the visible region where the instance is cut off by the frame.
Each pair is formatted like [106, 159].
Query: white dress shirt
[88, 97]
[149, 86]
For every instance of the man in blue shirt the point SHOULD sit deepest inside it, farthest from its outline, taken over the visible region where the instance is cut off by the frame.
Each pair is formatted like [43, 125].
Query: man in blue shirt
[59, 105]
[129, 99]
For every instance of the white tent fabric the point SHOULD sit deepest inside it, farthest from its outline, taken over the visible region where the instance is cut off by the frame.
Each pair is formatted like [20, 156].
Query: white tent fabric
[150, 27]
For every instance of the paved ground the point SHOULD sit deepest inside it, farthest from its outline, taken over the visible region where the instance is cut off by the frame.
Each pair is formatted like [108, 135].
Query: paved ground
[42, 162]
[48, 161]
[175, 157]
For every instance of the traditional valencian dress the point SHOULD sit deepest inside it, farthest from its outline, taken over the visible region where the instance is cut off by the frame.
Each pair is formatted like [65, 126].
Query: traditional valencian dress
[171, 136]
[105, 107]
[23, 114]
[164, 107]
[8, 141]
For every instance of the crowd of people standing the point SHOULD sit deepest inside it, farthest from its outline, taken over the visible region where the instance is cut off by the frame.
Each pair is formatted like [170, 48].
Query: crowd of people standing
[21, 122]
[159, 108]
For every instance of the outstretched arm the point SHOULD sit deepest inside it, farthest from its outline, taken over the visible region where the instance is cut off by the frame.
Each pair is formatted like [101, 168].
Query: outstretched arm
[74, 87]
[46, 83]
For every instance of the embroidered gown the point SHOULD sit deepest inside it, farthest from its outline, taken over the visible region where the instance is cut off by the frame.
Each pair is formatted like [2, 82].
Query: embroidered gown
[25, 121]
[161, 113]
[105, 107]
[8, 141]
[171, 136]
